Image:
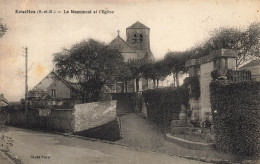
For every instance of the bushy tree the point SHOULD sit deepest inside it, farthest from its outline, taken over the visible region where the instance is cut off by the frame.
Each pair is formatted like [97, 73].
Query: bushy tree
[155, 70]
[136, 67]
[162, 70]
[245, 42]
[149, 71]
[176, 63]
[92, 63]
[125, 74]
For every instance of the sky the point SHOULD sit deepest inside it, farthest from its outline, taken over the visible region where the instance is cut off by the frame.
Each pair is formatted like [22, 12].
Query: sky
[175, 25]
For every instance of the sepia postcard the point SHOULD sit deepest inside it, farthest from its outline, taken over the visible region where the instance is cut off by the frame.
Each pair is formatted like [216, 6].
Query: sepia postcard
[129, 81]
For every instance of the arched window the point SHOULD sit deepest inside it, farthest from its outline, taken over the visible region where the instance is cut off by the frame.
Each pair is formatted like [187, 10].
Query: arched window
[141, 37]
[134, 38]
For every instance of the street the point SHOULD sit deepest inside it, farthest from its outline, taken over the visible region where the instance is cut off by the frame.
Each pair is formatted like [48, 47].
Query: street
[39, 147]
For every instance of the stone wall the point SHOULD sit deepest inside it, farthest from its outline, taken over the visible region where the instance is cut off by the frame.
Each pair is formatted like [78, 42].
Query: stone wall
[94, 114]
[82, 117]
[58, 119]
[109, 131]
[14, 117]
[61, 120]
[129, 55]
[126, 102]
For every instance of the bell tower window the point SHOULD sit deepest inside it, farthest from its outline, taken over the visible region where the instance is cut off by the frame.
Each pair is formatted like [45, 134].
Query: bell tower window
[141, 38]
[134, 38]
[53, 93]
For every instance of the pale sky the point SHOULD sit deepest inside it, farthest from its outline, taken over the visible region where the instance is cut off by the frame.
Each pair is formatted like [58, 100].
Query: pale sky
[174, 25]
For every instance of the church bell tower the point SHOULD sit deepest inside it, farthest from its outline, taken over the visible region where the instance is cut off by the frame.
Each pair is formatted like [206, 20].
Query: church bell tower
[138, 36]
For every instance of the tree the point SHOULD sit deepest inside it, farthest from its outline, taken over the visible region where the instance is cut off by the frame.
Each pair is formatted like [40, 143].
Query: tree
[245, 42]
[150, 72]
[176, 63]
[250, 45]
[125, 75]
[92, 63]
[136, 67]
[162, 70]
[155, 70]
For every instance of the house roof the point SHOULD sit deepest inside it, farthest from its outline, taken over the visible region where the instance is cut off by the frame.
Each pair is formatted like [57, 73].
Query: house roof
[69, 84]
[65, 81]
[121, 45]
[138, 25]
[251, 64]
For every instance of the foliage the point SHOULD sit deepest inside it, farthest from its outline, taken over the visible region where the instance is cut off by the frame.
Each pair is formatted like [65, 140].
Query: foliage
[245, 42]
[136, 67]
[155, 70]
[236, 116]
[92, 63]
[3, 29]
[13, 107]
[214, 74]
[149, 71]
[125, 74]
[22, 101]
[175, 61]
[193, 84]
[163, 103]
[51, 104]
[38, 93]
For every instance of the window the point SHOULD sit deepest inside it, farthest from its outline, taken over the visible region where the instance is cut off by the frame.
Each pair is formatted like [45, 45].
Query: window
[141, 38]
[134, 38]
[53, 93]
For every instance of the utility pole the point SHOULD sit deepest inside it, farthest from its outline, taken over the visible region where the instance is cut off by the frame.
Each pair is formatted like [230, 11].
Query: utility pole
[26, 84]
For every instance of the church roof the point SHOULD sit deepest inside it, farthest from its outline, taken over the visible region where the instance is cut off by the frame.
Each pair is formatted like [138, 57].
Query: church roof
[138, 25]
[121, 45]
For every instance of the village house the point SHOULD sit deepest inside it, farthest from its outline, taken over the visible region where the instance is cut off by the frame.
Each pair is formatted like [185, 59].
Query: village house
[137, 45]
[54, 87]
[254, 67]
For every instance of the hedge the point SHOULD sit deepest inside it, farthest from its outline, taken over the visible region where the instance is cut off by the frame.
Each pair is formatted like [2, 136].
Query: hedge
[163, 103]
[236, 116]
[51, 103]
[194, 84]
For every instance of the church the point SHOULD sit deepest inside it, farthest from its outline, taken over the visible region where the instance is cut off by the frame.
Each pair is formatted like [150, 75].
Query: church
[137, 45]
